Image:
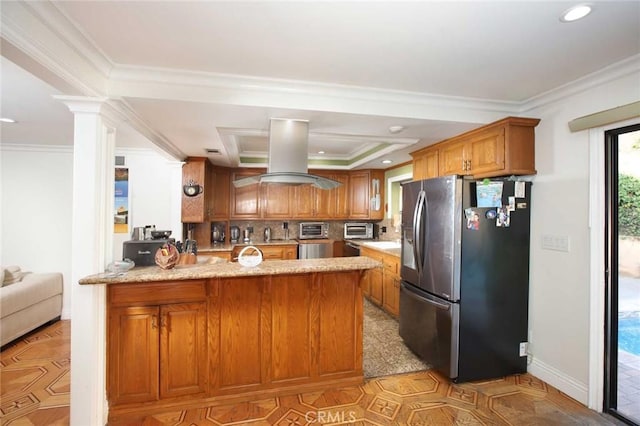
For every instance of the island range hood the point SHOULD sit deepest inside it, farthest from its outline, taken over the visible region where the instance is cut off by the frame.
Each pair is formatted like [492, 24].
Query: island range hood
[288, 157]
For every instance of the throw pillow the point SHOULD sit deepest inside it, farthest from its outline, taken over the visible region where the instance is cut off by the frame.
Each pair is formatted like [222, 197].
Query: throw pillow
[12, 275]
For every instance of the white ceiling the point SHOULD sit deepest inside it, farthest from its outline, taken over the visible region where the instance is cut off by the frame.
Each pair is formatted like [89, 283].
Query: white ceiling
[197, 75]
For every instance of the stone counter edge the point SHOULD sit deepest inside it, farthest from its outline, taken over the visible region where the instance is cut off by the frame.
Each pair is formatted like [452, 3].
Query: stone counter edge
[230, 270]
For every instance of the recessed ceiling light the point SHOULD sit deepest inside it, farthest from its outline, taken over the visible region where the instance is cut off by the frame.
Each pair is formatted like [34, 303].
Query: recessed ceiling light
[7, 120]
[320, 152]
[576, 12]
[386, 161]
[396, 129]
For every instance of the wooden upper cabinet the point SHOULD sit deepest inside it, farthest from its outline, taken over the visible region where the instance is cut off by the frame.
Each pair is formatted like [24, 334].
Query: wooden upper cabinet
[425, 163]
[277, 200]
[505, 147]
[311, 202]
[219, 182]
[245, 201]
[195, 208]
[359, 194]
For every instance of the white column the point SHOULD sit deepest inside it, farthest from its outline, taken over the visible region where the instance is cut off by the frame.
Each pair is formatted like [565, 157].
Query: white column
[175, 168]
[92, 215]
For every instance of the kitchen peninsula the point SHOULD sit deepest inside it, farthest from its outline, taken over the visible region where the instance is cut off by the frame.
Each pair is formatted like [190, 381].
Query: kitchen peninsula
[210, 332]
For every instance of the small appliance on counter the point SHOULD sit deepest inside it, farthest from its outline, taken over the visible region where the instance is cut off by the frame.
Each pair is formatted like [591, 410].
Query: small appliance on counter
[143, 252]
[360, 231]
[234, 232]
[217, 233]
[313, 230]
[267, 234]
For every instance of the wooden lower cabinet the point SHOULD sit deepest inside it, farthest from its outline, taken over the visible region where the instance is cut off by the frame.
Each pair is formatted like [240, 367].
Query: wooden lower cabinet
[239, 338]
[156, 348]
[270, 252]
[382, 285]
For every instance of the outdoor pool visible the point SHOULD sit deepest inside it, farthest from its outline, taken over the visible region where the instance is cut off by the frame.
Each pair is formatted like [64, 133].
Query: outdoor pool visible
[629, 334]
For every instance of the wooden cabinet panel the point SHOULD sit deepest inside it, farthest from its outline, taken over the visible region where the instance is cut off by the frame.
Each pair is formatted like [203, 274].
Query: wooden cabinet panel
[374, 277]
[505, 147]
[425, 164]
[270, 252]
[277, 201]
[194, 209]
[486, 151]
[305, 201]
[383, 284]
[292, 333]
[359, 195]
[339, 201]
[220, 184]
[245, 201]
[451, 159]
[226, 255]
[133, 346]
[239, 337]
[391, 284]
[183, 349]
[340, 327]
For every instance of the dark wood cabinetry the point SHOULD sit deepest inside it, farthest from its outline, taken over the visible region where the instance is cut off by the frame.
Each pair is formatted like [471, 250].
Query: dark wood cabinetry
[195, 209]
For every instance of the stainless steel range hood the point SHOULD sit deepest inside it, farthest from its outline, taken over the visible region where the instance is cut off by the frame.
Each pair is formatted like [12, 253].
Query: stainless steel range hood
[288, 157]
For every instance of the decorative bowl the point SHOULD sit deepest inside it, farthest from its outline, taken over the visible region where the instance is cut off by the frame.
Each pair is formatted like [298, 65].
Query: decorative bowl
[119, 267]
[167, 256]
[250, 260]
[157, 235]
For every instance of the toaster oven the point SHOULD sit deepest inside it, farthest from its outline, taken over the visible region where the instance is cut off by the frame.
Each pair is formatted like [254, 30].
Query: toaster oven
[358, 231]
[313, 230]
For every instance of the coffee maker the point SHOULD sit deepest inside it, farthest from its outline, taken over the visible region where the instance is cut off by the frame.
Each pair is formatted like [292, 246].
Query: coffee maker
[234, 234]
[217, 233]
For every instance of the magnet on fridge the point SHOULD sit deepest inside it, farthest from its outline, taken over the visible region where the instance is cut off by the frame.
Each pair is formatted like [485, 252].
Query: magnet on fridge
[521, 205]
[490, 214]
[473, 221]
[512, 204]
[504, 217]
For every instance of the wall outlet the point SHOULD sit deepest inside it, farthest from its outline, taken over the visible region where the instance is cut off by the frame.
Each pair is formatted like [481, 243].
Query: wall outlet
[523, 348]
[555, 242]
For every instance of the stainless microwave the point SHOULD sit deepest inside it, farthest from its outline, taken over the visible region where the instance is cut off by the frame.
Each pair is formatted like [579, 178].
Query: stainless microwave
[311, 230]
[360, 231]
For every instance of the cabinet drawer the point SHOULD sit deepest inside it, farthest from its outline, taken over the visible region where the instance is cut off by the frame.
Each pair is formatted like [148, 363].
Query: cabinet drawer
[391, 264]
[157, 292]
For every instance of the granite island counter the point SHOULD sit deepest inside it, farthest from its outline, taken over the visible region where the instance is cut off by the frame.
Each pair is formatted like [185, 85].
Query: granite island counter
[201, 334]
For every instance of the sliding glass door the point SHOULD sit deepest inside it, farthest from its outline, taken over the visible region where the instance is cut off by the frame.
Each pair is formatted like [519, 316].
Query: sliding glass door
[622, 346]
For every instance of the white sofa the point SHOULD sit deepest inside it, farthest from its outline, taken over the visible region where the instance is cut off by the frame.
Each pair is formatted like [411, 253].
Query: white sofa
[27, 301]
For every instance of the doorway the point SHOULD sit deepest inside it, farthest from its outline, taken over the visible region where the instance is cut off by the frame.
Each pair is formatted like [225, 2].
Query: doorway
[622, 267]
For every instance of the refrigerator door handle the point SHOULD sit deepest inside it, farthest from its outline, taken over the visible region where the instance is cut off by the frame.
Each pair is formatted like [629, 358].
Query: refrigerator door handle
[417, 230]
[415, 296]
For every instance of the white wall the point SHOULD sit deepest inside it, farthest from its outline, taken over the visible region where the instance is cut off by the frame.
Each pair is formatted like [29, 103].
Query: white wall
[36, 210]
[36, 197]
[559, 288]
[155, 186]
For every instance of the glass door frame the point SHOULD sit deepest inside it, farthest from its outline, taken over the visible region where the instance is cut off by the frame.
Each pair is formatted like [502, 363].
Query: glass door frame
[611, 270]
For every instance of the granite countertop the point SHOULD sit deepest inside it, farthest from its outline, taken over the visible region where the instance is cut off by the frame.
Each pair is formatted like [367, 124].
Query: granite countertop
[230, 246]
[222, 269]
[388, 247]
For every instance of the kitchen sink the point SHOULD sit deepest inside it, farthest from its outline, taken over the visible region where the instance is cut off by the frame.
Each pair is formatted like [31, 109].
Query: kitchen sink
[382, 244]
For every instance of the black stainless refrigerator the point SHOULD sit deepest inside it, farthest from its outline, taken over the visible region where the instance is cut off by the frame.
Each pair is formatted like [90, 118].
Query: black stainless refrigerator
[465, 275]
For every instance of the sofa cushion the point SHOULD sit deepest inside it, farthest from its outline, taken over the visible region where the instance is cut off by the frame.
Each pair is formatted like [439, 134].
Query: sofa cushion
[32, 289]
[11, 275]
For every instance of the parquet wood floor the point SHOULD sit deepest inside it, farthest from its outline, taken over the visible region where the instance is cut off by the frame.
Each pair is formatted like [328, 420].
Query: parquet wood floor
[35, 391]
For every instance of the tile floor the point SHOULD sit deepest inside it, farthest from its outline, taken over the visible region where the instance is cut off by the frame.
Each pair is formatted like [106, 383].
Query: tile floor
[384, 352]
[629, 385]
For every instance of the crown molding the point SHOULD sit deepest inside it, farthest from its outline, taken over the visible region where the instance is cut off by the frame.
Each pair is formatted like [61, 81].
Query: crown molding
[47, 36]
[197, 86]
[605, 75]
[53, 149]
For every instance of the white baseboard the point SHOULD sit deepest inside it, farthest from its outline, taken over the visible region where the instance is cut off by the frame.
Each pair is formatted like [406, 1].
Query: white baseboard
[556, 378]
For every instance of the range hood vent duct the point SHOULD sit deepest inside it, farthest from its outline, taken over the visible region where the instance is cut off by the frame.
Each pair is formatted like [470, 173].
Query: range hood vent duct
[288, 157]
